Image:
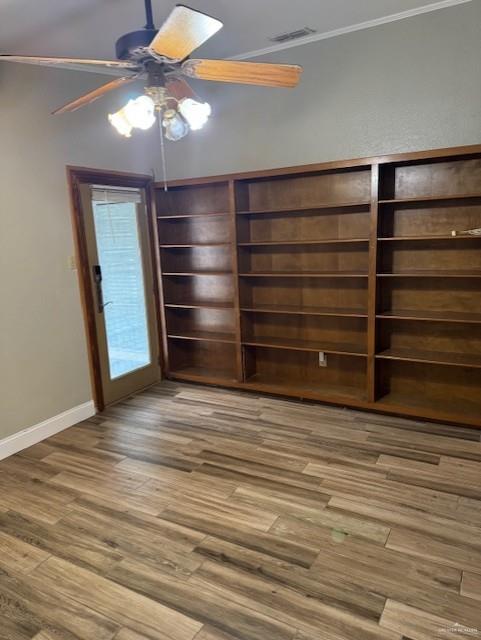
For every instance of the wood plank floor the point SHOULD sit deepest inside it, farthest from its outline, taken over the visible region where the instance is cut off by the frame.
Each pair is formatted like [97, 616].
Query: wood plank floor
[189, 512]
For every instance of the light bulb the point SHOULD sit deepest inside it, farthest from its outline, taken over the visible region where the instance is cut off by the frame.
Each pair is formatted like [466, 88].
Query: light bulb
[140, 113]
[175, 125]
[120, 122]
[196, 113]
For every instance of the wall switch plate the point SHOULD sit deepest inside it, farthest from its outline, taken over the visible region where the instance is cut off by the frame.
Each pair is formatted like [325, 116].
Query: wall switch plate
[72, 263]
[322, 359]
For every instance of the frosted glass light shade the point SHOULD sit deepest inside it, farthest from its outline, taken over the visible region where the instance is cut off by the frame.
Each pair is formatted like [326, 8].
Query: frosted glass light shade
[120, 122]
[175, 126]
[138, 113]
[196, 113]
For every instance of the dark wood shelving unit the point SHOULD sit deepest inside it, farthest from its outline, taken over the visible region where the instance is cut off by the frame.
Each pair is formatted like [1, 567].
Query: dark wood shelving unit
[355, 260]
[199, 311]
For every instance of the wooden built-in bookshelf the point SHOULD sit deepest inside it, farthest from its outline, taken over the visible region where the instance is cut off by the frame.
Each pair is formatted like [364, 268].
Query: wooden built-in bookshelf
[263, 271]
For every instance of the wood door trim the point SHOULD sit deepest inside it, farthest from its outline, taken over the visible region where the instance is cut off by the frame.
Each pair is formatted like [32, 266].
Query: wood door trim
[85, 175]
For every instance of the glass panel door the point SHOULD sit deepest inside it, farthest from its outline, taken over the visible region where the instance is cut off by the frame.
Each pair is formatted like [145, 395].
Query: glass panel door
[120, 264]
[123, 286]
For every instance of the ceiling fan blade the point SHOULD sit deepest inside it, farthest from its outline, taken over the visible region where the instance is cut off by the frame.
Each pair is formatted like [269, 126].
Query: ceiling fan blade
[184, 30]
[264, 74]
[95, 94]
[179, 88]
[66, 62]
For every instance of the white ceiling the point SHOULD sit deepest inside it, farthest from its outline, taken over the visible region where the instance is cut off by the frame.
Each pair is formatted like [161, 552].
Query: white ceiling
[89, 28]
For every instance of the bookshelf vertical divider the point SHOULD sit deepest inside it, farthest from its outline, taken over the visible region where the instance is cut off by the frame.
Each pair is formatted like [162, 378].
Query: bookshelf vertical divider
[235, 274]
[372, 286]
[339, 282]
[164, 356]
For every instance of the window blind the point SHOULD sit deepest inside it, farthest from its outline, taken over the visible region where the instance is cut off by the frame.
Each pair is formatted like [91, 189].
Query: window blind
[115, 195]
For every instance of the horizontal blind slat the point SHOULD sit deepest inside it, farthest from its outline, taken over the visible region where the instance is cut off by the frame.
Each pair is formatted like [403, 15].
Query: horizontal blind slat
[109, 195]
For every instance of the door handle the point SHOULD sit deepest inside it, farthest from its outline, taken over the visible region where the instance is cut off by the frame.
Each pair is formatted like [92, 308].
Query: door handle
[97, 274]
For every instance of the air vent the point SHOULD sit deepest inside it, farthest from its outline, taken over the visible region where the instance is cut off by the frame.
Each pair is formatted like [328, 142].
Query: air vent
[293, 35]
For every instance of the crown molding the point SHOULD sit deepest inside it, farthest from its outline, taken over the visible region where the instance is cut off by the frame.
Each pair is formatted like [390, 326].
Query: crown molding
[316, 37]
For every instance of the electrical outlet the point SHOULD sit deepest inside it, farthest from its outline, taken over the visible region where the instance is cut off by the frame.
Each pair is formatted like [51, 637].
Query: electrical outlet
[322, 359]
[72, 263]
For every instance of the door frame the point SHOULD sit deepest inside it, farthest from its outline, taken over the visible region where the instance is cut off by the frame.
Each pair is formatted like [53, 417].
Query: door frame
[85, 175]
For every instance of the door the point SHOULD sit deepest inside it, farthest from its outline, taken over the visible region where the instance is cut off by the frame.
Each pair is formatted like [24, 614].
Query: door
[121, 278]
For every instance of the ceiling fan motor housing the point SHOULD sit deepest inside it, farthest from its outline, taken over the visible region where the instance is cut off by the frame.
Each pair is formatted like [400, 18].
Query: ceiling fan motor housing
[134, 45]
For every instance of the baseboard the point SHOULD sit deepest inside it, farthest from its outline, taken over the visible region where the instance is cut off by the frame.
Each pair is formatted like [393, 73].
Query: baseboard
[28, 437]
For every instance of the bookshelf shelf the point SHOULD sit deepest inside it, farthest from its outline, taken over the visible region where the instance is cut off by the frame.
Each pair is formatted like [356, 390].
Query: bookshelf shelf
[440, 273]
[303, 274]
[306, 345]
[194, 245]
[431, 316]
[283, 309]
[315, 209]
[432, 238]
[186, 216]
[288, 243]
[432, 357]
[199, 305]
[206, 336]
[337, 394]
[433, 200]
[182, 274]
[203, 374]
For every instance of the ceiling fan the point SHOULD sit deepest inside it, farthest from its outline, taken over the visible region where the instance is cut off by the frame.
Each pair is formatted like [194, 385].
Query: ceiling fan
[162, 56]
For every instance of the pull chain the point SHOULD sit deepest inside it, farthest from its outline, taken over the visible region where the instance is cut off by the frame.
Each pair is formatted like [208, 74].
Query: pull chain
[162, 150]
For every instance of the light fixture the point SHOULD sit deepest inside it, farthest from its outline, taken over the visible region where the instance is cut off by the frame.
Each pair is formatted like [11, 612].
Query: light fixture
[174, 124]
[120, 122]
[177, 117]
[196, 113]
[138, 114]
[177, 114]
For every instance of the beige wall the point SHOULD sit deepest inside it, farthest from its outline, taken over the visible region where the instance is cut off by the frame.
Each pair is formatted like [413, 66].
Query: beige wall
[43, 361]
[414, 84]
[409, 85]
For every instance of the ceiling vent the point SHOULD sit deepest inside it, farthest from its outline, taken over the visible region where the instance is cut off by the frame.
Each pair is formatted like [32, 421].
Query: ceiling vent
[293, 35]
